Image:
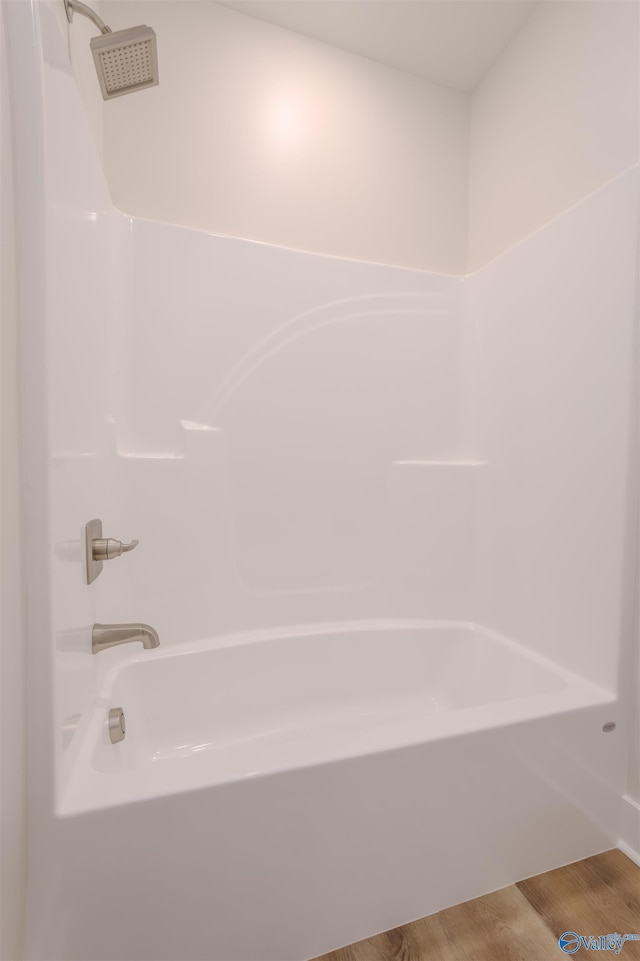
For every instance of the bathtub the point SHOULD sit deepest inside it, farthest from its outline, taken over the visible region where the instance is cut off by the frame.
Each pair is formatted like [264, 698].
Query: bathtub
[279, 794]
[259, 703]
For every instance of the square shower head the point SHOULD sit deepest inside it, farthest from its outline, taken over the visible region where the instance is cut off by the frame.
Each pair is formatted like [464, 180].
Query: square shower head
[126, 61]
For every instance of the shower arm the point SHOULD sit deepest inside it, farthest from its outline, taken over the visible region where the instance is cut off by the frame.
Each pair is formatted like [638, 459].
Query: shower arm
[75, 6]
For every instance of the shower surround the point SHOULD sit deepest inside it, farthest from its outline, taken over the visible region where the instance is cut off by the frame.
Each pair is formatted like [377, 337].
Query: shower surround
[385, 523]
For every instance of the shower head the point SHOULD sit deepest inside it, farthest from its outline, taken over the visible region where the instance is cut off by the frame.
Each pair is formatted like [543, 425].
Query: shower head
[126, 60]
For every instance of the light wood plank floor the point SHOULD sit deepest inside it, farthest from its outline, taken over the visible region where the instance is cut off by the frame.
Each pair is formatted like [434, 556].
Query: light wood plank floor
[600, 895]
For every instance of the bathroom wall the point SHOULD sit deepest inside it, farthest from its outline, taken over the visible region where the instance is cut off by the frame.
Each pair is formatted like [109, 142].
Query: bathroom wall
[556, 321]
[286, 408]
[12, 634]
[259, 132]
[556, 117]
[78, 35]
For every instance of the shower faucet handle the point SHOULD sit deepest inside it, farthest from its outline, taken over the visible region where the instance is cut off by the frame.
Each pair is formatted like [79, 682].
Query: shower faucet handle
[104, 548]
[99, 548]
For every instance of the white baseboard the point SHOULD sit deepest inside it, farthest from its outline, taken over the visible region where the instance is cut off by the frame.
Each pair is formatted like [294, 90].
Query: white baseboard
[629, 842]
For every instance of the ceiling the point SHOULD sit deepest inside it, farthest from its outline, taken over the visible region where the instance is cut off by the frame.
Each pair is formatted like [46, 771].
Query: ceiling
[453, 42]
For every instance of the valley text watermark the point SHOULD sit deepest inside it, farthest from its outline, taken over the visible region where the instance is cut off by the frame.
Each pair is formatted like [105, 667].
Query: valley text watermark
[570, 942]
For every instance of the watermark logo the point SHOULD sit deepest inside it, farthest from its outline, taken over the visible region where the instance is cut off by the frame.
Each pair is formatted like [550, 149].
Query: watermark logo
[570, 942]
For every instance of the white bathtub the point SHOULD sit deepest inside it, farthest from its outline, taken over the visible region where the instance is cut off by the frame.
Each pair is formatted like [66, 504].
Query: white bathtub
[278, 795]
[257, 703]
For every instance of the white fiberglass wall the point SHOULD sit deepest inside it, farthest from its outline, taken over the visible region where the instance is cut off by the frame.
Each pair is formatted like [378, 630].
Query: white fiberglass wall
[556, 354]
[324, 495]
[301, 388]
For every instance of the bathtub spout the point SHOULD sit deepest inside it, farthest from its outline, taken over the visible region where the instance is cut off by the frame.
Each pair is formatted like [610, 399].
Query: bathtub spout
[110, 635]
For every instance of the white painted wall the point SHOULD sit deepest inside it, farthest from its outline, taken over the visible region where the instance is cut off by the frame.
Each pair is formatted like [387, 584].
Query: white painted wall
[12, 637]
[557, 117]
[259, 132]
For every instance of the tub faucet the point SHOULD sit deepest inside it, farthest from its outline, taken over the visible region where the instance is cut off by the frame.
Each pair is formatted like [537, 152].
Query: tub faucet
[110, 635]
